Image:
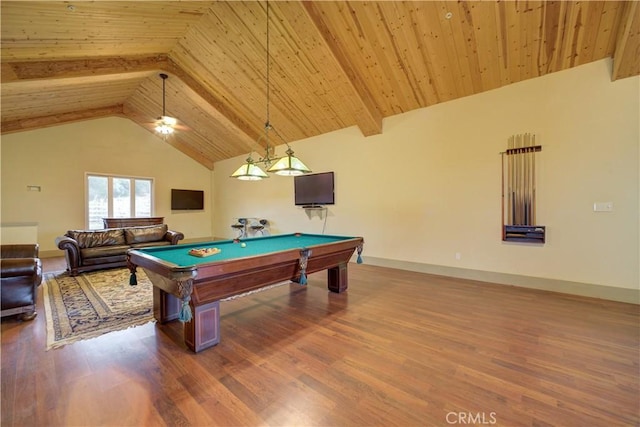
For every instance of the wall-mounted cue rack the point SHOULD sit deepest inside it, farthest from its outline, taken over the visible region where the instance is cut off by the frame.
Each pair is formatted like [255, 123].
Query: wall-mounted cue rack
[519, 191]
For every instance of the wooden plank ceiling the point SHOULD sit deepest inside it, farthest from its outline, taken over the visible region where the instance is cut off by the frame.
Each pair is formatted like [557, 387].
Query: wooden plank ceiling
[332, 64]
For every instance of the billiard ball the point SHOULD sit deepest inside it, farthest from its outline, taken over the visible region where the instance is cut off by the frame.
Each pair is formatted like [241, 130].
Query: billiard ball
[243, 245]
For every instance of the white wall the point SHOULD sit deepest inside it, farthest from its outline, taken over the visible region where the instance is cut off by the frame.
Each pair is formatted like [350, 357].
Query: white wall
[425, 189]
[429, 186]
[57, 158]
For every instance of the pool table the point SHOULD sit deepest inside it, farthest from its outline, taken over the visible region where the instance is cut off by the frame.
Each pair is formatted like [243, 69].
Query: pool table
[189, 288]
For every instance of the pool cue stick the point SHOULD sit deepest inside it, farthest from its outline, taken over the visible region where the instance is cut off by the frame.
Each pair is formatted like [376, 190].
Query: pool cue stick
[525, 159]
[532, 154]
[533, 179]
[510, 159]
[528, 212]
[519, 182]
[525, 182]
[502, 199]
[527, 217]
[508, 182]
[515, 182]
[522, 181]
[521, 173]
[514, 200]
[530, 181]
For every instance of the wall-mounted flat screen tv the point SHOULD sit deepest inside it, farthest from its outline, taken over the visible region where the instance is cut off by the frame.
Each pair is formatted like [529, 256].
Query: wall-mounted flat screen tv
[187, 200]
[315, 189]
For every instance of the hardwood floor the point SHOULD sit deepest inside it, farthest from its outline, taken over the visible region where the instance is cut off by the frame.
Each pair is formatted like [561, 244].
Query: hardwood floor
[398, 349]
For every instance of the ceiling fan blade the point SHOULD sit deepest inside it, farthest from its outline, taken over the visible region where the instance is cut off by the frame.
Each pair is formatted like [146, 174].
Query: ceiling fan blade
[182, 127]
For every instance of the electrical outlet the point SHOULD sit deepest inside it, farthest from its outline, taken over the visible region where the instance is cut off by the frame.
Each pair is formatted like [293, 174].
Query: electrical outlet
[458, 255]
[603, 207]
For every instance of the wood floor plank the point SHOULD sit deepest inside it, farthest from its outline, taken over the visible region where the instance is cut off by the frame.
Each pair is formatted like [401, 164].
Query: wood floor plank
[398, 348]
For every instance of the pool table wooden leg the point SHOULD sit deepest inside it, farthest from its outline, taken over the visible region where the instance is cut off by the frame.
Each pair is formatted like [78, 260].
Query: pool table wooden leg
[337, 278]
[166, 307]
[203, 331]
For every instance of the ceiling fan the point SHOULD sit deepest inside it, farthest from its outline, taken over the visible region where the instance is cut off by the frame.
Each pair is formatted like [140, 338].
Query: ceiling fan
[166, 125]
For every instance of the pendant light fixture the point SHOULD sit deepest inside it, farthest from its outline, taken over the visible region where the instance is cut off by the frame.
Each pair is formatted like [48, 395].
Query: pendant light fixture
[249, 171]
[288, 165]
[165, 123]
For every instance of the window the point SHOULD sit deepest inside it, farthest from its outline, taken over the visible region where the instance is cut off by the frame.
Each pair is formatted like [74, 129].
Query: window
[117, 197]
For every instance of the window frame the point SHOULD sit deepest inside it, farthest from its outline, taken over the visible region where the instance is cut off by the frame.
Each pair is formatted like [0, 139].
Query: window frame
[132, 195]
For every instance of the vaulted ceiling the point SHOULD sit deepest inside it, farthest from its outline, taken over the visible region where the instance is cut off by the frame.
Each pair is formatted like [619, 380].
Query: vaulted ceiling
[333, 64]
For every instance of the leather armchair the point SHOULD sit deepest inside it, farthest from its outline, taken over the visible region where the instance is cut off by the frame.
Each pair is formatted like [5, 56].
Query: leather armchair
[20, 276]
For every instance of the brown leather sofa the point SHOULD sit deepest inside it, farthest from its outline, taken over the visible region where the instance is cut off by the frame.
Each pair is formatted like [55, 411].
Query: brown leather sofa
[20, 276]
[88, 250]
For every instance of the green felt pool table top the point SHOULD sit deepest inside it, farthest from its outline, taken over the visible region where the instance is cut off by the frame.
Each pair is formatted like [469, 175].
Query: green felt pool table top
[232, 249]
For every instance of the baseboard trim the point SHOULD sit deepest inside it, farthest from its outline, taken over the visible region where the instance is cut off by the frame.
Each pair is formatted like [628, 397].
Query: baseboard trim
[561, 286]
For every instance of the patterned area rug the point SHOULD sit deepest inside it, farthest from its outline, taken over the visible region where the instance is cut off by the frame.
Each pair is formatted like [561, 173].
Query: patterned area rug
[93, 304]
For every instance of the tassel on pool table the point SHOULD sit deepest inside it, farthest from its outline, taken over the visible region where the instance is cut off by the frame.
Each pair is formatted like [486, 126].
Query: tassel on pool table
[133, 279]
[359, 260]
[185, 311]
[303, 278]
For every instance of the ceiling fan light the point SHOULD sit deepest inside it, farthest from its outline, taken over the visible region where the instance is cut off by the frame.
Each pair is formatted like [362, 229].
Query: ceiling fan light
[249, 172]
[164, 129]
[165, 124]
[289, 165]
[169, 121]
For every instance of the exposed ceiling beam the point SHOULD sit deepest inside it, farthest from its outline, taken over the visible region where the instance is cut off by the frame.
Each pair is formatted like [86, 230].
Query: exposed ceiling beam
[369, 118]
[625, 54]
[57, 119]
[59, 69]
[221, 106]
